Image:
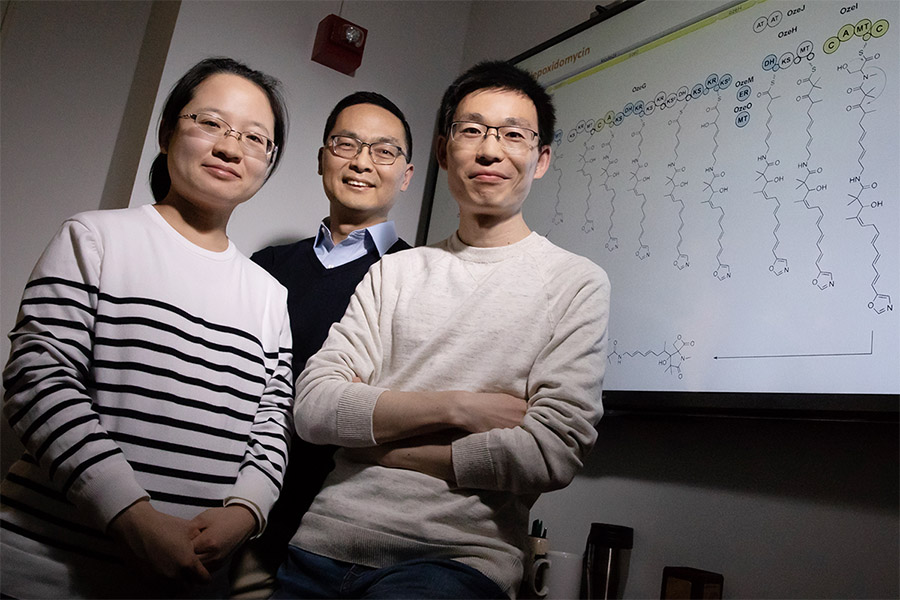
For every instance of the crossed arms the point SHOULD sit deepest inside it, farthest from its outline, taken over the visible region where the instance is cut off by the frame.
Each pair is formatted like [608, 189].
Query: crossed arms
[371, 387]
[415, 430]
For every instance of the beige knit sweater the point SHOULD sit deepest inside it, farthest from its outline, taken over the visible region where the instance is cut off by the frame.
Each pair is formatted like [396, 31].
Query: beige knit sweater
[527, 319]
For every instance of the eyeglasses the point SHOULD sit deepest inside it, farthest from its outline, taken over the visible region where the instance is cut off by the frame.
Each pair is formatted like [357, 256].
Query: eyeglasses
[514, 140]
[253, 143]
[382, 153]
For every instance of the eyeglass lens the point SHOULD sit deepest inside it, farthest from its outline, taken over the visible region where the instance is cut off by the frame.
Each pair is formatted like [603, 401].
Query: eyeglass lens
[382, 153]
[512, 139]
[252, 142]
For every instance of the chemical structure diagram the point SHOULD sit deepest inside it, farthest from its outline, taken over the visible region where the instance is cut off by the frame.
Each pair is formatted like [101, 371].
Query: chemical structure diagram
[870, 80]
[675, 182]
[752, 180]
[671, 358]
[639, 171]
[615, 172]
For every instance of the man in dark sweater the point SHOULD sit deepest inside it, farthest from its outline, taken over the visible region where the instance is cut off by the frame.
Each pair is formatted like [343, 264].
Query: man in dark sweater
[365, 163]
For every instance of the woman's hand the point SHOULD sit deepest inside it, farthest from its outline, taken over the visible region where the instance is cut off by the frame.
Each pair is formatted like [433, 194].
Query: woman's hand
[222, 531]
[159, 543]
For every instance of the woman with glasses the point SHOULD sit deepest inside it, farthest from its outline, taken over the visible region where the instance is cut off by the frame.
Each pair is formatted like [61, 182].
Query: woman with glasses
[149, 377]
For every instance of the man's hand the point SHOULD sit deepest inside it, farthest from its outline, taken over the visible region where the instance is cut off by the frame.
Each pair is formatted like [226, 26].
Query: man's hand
[159, 543]
[222, 530]
[400, 415]
[431, 455]
[480, 411]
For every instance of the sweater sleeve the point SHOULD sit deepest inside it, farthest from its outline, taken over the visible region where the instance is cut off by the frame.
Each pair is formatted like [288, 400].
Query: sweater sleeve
[564, 404]
[262, 471]
[329, 407]
[47, 403]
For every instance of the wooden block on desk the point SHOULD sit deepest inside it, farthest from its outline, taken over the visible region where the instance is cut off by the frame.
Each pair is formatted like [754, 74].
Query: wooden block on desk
[688, 583]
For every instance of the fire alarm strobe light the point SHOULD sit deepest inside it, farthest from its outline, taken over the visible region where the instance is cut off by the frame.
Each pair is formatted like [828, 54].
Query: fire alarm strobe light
[339, 44]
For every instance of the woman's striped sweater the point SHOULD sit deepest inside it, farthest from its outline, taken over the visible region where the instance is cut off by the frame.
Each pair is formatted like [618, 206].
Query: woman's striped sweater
[141, 365]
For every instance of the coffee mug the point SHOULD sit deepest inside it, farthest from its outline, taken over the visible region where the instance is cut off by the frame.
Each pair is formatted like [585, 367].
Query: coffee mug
[556, 576]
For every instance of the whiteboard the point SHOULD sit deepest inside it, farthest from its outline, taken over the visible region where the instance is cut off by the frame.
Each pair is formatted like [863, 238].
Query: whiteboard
[734, 169]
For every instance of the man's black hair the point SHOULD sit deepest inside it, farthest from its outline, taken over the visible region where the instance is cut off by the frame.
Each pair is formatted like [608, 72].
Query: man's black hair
[499, 75]
[369, 98]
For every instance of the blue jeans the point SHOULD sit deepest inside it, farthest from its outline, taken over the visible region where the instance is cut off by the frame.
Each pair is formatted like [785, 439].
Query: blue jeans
[308, 575]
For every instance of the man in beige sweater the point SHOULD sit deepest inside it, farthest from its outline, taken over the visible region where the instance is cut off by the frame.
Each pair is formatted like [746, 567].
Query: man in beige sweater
[463, 381]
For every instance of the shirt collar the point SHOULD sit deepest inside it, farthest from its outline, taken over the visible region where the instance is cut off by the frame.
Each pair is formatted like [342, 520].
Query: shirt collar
[383, 235]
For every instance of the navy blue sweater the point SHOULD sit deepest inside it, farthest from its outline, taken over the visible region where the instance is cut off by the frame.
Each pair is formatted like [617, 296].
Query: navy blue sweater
[317, 298]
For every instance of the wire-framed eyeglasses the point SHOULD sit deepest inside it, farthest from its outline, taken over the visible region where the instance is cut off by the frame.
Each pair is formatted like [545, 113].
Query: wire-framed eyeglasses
[382, 153]
[253, 143]
[512, 139]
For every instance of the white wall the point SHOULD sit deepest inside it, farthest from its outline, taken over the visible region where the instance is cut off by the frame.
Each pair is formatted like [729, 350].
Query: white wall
[67, 71]
[501, 29]
[63, 96]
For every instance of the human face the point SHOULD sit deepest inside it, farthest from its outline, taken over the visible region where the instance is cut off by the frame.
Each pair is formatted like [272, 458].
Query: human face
[359, 190]
[214, 174]
[484, 179]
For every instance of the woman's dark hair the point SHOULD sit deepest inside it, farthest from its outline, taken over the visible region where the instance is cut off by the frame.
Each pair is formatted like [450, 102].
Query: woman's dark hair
[368, 98]
[183, 92]
[499, 75]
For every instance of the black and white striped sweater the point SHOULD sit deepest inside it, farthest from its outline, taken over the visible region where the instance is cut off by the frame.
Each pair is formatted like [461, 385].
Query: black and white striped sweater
[141, 365]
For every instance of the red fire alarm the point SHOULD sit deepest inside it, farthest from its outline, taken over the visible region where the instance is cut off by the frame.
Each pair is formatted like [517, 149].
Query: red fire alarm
[339, 44]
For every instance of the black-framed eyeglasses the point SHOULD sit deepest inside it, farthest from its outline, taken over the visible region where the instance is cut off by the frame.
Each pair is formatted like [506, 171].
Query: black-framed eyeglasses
[253, 143]
[382, 153]
[512, 139]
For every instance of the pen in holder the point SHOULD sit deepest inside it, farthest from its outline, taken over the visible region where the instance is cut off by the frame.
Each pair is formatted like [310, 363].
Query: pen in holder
[537, 540]
[537, 548]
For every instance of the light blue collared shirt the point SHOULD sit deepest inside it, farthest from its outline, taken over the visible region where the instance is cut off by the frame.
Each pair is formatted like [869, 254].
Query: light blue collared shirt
[381, 235]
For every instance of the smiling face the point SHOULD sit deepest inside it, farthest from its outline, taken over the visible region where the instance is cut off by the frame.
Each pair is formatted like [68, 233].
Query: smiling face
[213, 174]
[484, 179]
[360, 191]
